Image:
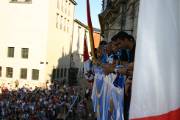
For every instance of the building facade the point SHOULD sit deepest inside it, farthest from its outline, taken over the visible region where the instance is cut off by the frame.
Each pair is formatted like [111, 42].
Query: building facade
[61, 20]
[35, 34]
[118, 15]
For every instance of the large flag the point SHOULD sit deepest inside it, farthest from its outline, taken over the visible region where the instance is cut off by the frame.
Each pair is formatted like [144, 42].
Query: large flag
[90, 27]
[156, 81]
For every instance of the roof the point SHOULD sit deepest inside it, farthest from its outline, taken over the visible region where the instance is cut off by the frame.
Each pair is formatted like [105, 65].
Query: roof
[85, 26]
[80, 23]
[97, 30]
[74, 2]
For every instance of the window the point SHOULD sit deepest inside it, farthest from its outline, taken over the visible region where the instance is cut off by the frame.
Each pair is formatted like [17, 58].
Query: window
[66, 7]
[24, 52]
[20, 1]
[68, 26]
[23, 74]
[69, 9]
[10, 51]
[57, 20]
[61, 20]
[61, 72]
[58, 4]
[0, 71]
[62, 5]
[65, 70]
[56, 74]
[9, 72]
[35, 74]
[64, 24]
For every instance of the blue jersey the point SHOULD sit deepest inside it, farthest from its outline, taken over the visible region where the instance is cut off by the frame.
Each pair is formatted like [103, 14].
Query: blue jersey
[119, 81]
[123, 56]
[104, 58]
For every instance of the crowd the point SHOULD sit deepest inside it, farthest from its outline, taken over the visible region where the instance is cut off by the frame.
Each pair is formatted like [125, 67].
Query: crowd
[55, 103]
[112, 68]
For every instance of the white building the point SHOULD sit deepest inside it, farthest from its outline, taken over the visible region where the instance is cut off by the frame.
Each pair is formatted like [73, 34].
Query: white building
[34, 35]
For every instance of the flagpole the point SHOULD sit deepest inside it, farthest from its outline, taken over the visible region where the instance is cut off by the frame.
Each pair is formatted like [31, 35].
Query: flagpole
[90, 28]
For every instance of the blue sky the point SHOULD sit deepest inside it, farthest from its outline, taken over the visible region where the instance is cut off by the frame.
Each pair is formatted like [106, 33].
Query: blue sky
[80, 11]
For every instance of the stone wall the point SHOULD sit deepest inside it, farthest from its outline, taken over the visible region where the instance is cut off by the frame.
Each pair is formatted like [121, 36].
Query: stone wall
[117, 16]
[132, 16]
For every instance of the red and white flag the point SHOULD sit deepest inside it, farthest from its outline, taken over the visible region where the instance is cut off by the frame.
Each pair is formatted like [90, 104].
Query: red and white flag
[156, 81]
[90, 28]
[86, 59]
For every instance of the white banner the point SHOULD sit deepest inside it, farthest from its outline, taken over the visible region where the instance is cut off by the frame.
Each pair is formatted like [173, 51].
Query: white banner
[156, 82]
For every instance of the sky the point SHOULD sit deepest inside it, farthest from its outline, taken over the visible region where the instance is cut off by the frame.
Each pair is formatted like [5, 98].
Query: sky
[80, 11]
